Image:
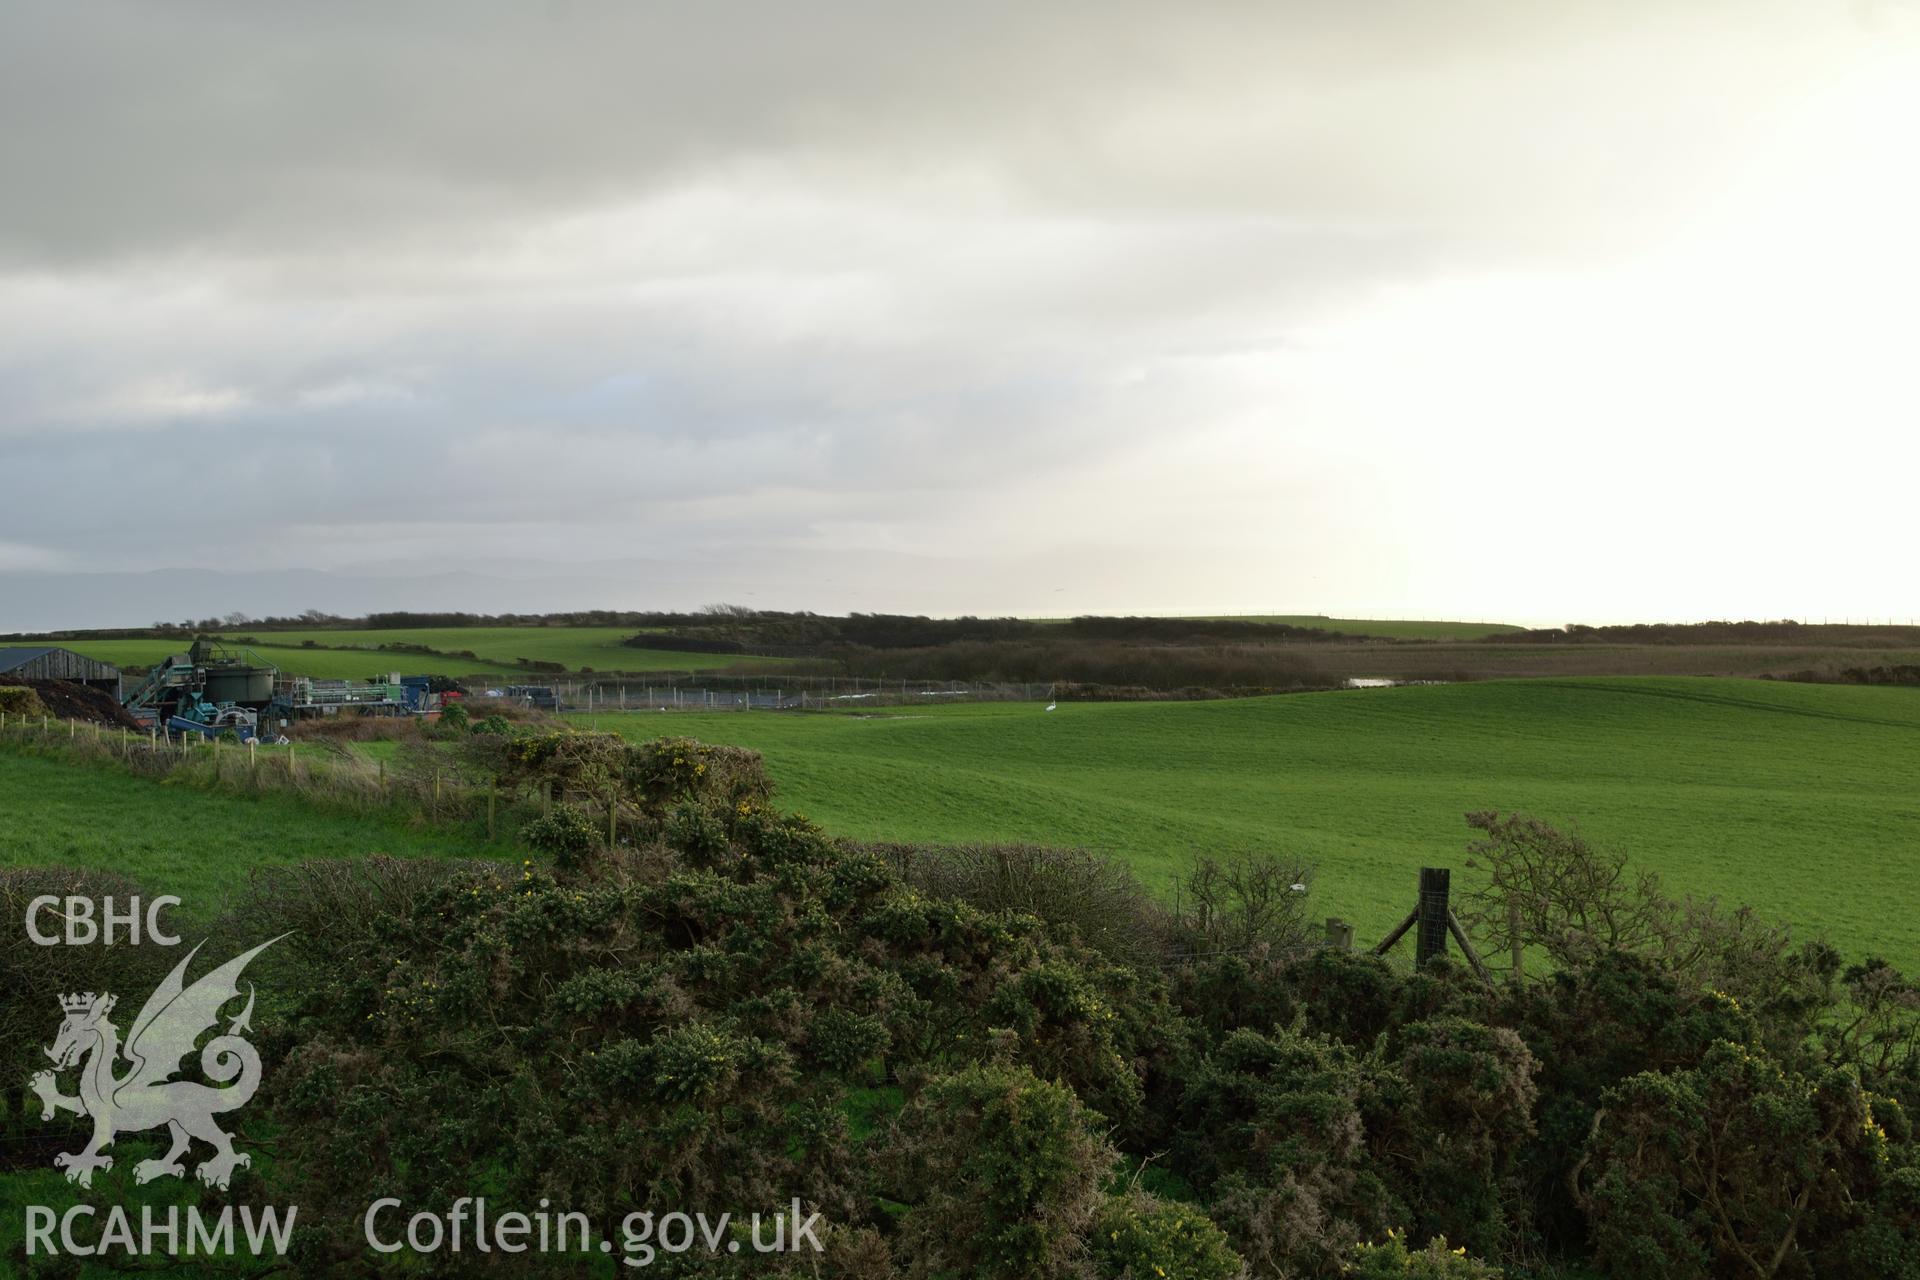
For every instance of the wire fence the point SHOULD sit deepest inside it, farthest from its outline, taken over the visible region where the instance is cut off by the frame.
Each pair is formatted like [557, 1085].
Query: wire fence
[769, 693]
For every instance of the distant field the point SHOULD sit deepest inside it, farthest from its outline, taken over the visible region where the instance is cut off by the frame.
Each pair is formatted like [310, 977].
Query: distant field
[182, 840]
[577, 648]
[1797, 798]
[496, 649]
[321, 664]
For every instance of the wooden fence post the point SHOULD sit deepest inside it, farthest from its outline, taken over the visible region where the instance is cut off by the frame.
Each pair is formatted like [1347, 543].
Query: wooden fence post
[1431, 939]
[1435, 920]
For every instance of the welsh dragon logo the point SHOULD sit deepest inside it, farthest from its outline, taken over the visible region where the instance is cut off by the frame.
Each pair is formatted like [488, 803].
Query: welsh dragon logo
[145, 1096]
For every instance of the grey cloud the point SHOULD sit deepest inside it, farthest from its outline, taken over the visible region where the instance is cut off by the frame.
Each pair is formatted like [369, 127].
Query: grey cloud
[198, 129]
[1019, 291]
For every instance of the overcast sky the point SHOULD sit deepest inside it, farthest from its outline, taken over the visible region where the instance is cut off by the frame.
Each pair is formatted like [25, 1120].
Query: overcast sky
[1541, 312]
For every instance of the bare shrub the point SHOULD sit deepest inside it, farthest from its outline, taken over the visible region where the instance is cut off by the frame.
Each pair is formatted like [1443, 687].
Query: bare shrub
[1240, 902]
[1558, 892]
[355, 728]
[512, 710]
[1878, 1030]
[1555, 890]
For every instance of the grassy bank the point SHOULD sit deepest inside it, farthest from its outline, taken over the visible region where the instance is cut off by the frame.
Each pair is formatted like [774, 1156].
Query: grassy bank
[193, 841]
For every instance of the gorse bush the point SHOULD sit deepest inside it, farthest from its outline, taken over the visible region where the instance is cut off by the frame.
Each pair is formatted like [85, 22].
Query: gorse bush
[953, 1057]
[18, 701]
[1743, 1159]
[1003, 1170]
[701, 1016]
[1278, 1130]
[695, 1025]
[567, 835]
[1139, 1237]
[1392, 1260]
[35, 976]
[1457, 1116]
[598, 768]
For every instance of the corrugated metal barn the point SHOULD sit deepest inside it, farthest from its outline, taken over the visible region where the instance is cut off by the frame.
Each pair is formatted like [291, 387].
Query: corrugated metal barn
[44, 663]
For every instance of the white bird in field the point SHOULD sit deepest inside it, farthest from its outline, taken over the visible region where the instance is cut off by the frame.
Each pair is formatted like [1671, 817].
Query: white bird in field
[1052, 705]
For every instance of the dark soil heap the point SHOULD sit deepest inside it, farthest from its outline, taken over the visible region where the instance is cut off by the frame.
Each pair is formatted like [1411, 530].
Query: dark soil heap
[65, 700]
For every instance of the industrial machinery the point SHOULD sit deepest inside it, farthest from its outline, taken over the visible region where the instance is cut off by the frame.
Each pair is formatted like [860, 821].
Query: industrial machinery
[210, 721]
[211, 688]
[430, 693]
[545, 697]
[301, 697]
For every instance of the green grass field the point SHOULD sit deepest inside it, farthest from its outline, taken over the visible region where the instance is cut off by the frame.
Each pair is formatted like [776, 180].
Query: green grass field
[196, 844]
[321, 664]
[495, 648]
[1799, 799]
[579, 648]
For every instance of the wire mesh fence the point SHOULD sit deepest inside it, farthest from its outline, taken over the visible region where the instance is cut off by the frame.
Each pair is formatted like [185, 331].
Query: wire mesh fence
[762, 693]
